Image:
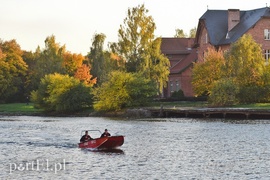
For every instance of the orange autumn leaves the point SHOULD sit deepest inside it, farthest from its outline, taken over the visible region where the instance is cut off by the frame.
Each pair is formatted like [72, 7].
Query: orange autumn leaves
[83, 74]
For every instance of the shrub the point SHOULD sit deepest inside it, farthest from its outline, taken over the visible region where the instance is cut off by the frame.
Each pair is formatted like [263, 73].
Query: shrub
[177, 94]
[123, 90]
[58, 92]
[224, 93]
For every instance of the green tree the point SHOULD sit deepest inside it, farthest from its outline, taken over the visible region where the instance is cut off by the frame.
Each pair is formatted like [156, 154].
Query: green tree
[139, 48]
[205, 73]
[76, 98]
[123, 90]
[101, 62]
[245, 62]
[159, 68]
[56, 89]
[179, 33]
[50, 60]
[192, 32]
[12, 72]
[246, 65]
[30, 83]
[97, 58]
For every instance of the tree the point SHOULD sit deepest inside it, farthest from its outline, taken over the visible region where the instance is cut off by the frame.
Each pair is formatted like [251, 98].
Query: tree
[205, 73]
[139, 48]
[246, 65]
[50, 60]
[241, 77]
[57, 92]
[72, 62]
[245, 62]
[159, 69]
[83, 74]
[123, 90]
[101, 61]
[12, 72]
[179, 33]
[76, 98]
[192, 32]
[135, 38]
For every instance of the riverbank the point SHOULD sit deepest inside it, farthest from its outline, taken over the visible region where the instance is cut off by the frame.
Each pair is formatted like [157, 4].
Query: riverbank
[163, 110]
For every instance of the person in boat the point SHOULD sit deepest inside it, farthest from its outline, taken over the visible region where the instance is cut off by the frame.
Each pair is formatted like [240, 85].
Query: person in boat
[106, 133]
[85, 137]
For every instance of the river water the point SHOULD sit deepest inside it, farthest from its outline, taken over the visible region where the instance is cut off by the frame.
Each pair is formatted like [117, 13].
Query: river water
[46, 148]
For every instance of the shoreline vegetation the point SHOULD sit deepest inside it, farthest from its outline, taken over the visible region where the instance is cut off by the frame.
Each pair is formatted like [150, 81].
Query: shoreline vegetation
[23, 109]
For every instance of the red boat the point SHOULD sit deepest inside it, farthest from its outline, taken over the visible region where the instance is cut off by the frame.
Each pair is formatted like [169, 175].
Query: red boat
[109, 142]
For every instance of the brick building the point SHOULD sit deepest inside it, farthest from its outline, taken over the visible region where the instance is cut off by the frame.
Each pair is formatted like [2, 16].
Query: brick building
[181, 55]
[220, 28]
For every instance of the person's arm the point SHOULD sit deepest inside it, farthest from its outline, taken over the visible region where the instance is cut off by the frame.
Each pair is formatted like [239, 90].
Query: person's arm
[82, 139]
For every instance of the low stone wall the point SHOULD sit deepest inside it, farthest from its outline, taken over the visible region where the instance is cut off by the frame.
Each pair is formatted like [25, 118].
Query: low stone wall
[138, 113]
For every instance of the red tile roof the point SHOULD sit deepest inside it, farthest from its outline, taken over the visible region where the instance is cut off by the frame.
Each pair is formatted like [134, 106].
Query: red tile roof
[176, 45]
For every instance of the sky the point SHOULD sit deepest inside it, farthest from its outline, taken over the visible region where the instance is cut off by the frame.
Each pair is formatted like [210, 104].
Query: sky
[74, 22]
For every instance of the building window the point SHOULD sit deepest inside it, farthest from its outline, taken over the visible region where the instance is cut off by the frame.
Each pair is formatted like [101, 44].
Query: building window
[267, 56]
[171, 86]
[267, 34]
[177, 86]
[206, 38]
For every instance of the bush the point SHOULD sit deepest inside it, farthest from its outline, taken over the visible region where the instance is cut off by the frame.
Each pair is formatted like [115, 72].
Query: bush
[178, 94]
[224, 93]
[58, 92]
[253, 94]
[75, 99]
[123, 90]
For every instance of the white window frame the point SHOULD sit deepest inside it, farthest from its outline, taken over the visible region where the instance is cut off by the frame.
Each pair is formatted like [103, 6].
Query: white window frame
[266, 34]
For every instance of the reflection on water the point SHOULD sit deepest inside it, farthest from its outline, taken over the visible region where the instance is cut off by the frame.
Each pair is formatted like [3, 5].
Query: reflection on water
[46, 148]
[105, 151]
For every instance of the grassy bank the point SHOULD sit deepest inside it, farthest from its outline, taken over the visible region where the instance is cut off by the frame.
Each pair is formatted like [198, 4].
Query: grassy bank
[28, 109]
[254, 106]
[18, 108]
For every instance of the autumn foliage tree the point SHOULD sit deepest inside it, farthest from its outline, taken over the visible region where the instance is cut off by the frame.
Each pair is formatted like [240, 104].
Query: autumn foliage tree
[83, 74]
[12, 72]
[238, 77]
[72, 61]
[204, 74]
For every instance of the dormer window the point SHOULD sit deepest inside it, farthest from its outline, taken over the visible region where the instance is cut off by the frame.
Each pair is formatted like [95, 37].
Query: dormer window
[267, 34]
[227, 36]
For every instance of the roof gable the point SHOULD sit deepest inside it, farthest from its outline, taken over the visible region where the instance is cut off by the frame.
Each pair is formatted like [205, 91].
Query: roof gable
[216, 23]
[185, 63]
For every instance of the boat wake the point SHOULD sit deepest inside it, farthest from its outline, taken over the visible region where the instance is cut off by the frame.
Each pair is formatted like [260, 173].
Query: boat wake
[112, 151]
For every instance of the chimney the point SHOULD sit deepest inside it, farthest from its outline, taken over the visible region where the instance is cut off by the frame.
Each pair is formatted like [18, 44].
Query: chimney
[233, 18]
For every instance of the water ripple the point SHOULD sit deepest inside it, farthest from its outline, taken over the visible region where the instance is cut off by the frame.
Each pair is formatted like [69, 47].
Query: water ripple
[153, 149]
